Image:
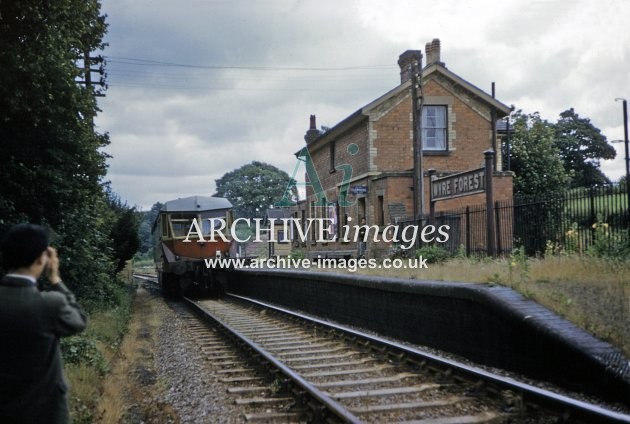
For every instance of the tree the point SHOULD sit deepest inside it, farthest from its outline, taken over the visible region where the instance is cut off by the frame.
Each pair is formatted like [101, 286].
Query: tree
[147, 237]
[50, 151]
[581, 147]
[53, 165]
[535, 158]
[253, 188]
[124, 231]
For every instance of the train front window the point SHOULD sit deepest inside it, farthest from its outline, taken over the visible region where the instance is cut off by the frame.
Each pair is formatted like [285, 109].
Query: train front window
[180, 223]
[212, 221]
[164, 225]
[210, 224]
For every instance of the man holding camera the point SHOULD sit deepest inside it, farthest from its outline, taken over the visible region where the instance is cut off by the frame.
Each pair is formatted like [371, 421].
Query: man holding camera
[32, 385]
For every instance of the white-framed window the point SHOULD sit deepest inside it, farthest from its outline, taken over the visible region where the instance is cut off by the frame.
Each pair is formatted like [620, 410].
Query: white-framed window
[434, 128]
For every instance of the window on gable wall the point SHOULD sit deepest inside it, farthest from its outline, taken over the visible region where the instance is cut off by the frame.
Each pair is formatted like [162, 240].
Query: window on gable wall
[434, 128]
[332, 156]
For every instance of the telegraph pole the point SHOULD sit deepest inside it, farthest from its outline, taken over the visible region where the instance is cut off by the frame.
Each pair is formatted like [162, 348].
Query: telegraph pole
[626, 144]
[87, 72]
[416, 101]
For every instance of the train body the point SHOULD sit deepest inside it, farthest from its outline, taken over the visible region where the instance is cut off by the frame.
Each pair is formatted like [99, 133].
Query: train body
[180, 264]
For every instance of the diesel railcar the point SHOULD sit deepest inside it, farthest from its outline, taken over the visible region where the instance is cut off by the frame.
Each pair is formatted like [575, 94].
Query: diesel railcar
[180, 264]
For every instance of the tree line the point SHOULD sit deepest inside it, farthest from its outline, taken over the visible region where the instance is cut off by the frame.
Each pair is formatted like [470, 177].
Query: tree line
[548, 157]
[53, 163]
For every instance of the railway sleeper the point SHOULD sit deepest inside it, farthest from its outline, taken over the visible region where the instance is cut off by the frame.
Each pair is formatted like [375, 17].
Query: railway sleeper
[375, 380]
[378, 368]
[310, 352]
[302, 346]
[408, 405]
[235, 371]
[284, 417]
[483, 418]
[261, 400]
[249, 389]
[333, 364]
[384, 392]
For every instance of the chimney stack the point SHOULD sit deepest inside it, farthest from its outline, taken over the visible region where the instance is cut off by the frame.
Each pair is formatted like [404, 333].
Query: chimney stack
[432, 51]
[405, 61]
[313, 133]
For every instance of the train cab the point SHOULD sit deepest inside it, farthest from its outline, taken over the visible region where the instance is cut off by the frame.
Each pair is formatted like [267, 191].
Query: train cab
[179, 254]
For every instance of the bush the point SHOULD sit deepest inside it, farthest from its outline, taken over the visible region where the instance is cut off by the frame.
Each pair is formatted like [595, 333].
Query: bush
[433, 254]
[608, 243]
[297, 254]
[82, 349]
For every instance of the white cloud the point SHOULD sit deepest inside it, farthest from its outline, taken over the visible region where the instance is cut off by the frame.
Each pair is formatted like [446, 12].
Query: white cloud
[174, 130]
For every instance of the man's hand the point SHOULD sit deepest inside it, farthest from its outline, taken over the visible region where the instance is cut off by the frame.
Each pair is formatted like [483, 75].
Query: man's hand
[52, 267]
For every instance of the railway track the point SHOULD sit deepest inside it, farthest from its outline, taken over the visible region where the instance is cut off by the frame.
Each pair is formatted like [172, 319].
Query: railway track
[327, 373]
[258, 393]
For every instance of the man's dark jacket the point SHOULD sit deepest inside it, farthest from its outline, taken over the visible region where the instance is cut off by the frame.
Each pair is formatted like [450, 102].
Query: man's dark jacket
[32, 385]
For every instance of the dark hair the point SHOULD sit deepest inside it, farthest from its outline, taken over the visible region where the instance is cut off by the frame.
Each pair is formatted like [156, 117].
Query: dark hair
[22, 244]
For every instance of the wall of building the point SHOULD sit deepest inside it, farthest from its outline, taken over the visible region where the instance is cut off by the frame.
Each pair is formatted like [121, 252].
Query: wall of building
[383, 158]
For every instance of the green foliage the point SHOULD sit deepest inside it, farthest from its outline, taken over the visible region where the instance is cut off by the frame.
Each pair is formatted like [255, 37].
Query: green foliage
[297, 254]
[433, 254]
[518, 266]
[253, 188]
[81, 349]
[124, 231]
[581, 147]
[535, 159]
[572, 239]
[549, 157]
[52, 157]
[609, 244]
[145, 234]
[461, 252]
[53, 163]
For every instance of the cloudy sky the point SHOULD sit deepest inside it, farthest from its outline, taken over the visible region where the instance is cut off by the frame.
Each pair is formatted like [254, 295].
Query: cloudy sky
[198, 88]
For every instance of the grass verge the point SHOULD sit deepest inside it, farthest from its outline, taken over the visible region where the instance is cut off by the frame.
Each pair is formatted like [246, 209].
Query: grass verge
[87, 356]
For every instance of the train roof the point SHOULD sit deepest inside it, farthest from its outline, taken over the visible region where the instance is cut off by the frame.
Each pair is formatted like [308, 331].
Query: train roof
[196, 204]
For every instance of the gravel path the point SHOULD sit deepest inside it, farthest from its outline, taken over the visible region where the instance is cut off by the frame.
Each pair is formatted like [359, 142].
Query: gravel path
[190, 383]
[160, 376]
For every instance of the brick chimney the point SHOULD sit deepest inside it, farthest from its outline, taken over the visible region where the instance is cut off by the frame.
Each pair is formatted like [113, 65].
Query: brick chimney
[405, 61]
[432, 51]
[313, 133]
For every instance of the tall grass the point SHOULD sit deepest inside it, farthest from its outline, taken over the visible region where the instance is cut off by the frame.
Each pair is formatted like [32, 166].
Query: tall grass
[88, 356]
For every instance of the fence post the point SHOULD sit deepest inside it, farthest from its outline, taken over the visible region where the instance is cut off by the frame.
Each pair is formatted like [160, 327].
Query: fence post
[468, 232]
[490, 236]
[497, 221]
[591, 196]
[432, 176]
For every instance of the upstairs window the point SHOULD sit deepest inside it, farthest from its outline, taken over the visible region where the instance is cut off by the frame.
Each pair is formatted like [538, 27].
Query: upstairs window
[434, 128]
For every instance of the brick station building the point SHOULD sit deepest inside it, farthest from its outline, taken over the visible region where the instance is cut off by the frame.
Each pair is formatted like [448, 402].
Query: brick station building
[376, 141]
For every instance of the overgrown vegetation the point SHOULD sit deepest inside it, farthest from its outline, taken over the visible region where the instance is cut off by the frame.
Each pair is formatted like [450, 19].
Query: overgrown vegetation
[88, 355]
[433, 254]
[54, 169]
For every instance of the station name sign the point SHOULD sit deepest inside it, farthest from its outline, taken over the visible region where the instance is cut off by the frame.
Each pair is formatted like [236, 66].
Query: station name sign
[358, 189]
[461, 184]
